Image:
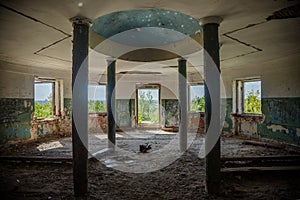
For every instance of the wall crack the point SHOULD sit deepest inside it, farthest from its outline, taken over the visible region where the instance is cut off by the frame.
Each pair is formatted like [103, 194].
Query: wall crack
[34, 19]
[256, 49]
[45, 24]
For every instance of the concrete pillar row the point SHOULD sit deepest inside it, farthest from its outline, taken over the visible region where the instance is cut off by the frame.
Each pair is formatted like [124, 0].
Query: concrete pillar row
[80, 104]
[212, 102]
[182, 90]
[111, 101]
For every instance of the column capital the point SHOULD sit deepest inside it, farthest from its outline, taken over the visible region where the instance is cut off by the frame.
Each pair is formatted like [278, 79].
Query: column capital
[109, 60]
[80, 20]
[181, 59]
[210, 20]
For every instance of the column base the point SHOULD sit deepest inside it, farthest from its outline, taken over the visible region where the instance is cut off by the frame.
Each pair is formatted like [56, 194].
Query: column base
[212, 187]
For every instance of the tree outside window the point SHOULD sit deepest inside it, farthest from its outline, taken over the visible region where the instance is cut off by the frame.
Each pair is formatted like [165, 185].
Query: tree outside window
[43, 100]
[252, 97]
[97, 98]
[196, 96]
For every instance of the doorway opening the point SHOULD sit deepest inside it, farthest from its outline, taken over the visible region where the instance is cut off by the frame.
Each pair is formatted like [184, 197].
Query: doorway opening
[148, 98]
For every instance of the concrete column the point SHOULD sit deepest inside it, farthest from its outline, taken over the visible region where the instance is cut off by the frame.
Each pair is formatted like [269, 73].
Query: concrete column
[212, 102]
[182, 104]
[80, 104]
[111, 82]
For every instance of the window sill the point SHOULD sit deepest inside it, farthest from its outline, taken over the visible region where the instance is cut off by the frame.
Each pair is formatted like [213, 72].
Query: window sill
[44, 120]
[97, 114]
[248, 117]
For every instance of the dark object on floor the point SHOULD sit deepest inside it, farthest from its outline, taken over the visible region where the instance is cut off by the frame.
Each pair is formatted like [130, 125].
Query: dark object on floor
[145, 148]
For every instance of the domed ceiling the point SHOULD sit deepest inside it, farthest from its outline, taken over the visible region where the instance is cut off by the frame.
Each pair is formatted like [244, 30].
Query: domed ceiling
[146, 35]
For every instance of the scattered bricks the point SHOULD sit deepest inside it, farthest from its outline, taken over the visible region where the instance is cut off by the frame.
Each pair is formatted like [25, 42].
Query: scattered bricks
[196, 121]
[97, 122]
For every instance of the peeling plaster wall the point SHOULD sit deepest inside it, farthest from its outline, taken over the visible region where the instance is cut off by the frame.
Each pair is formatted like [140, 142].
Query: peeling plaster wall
[17, 103]
[280, 99]
[125, 109]
[125, 112]
[15, 118]
[282, 119]
[226, 105]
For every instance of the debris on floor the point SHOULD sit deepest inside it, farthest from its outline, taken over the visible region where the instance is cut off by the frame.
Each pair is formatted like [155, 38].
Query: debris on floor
[145, 147]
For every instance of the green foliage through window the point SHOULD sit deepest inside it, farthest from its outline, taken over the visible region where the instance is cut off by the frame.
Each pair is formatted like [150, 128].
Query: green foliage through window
[252, 103]
[147, 108]
[197, 104]
[43, 110]
[97, 106]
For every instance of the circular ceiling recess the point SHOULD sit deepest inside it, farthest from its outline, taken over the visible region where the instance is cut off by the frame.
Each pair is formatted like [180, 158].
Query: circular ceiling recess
[135, 34]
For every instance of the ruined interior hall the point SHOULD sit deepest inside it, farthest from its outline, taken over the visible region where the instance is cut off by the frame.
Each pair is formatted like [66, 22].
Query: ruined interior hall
[149, 99]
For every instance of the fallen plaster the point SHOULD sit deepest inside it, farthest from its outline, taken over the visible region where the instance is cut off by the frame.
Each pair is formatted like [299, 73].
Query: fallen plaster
[49, 145]
[278, 128]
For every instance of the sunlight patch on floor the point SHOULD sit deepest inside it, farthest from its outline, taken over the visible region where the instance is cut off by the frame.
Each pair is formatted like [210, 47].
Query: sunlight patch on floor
[49, 145]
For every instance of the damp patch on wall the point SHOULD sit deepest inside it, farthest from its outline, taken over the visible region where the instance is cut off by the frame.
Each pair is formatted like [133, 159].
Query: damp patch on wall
[124, 112]
[15, 118]
[226, 104]
[68, 107]
[282, 119]
[170, 112]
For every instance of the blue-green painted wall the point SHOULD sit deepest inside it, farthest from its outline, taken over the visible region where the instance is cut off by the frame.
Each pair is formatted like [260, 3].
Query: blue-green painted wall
[68, 107]
[283, 113]
[15, 118]
[170, 112]
[124, 112]
[281, 119]
[226, 103]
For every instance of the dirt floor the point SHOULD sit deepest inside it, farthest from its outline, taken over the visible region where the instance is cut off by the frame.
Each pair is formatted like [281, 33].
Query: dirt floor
[171, 176]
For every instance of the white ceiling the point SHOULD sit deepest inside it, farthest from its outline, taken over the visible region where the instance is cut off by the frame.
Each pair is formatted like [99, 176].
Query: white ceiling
[38, 33]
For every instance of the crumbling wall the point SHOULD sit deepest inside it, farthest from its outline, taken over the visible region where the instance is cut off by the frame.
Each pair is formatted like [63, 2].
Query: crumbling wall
[247, 124]
[97, 122]
[280, 119]
[170, 113]
[125, 112]
[54, 126]
[68, 108]
[196, 122]
[17, 104]
[15, 118]
[226, 106]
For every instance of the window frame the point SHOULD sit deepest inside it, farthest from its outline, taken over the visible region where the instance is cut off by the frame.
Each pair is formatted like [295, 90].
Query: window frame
[239, 95]
[45, 81]
[104, 85]
[57, 95]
